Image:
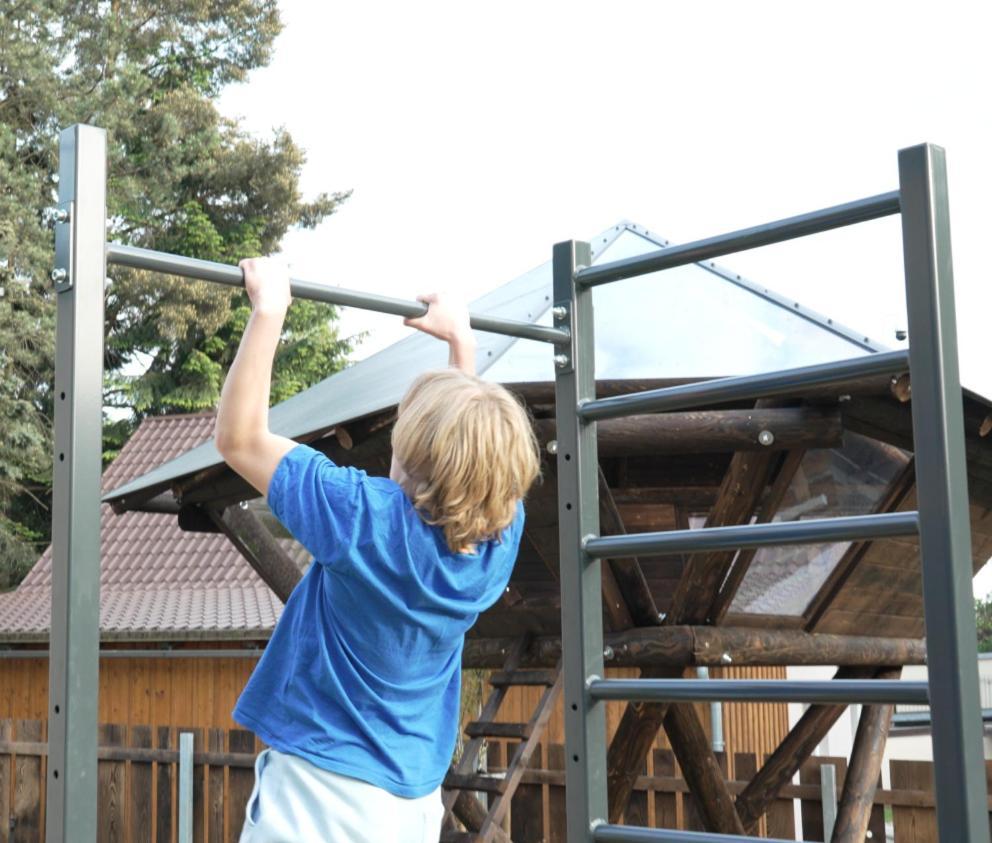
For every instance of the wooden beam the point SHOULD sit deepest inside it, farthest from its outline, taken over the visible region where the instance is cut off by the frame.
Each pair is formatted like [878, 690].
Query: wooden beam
[701, 771]
[259, 547]
[791, 754]
[707, 646]
[712, 431]
[861, 780]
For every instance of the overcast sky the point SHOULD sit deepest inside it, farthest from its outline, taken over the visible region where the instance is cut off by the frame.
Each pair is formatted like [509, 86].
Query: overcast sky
[476, 135]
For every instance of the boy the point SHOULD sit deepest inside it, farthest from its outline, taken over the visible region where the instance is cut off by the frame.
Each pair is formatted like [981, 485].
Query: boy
[357, 692]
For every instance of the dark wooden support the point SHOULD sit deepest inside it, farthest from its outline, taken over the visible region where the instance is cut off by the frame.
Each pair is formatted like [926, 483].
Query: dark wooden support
[769, 506]
[707, 646]
[791, 754]
[861, 781]
[257, 545]
[712, 431]
[627, 574]
[701, 770]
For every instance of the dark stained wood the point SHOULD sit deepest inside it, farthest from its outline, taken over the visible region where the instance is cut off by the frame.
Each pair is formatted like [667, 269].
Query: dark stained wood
[913, 824]
[215, 787]
[527, 815]
[854, 809]
[811, 808]
[766, 512]
[701, 771]
[110, 805]
[139, 814]
[164, 778]
[665, 803]
[469, 811]
[633, 739]
[6, 780]
[240, 783]
[556, 796]
[797, 746]
[253, 541]
[901, 387]
[711, 431]
[694, 497]
[26, 807]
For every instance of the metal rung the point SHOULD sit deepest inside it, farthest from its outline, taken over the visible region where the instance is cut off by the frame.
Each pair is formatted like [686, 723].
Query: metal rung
[861, 210]
[760, 690]
[641, 834]
[720, 390]
[232, 276]
[877, 526]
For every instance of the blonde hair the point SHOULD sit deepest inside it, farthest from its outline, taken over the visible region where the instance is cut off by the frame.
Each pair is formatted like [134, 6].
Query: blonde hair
[469, 452]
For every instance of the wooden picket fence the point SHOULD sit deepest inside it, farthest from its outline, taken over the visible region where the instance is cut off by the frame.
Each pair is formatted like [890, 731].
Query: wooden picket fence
[138, 800]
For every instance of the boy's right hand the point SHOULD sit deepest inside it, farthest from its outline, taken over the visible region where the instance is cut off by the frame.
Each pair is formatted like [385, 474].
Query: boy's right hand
[446, 318]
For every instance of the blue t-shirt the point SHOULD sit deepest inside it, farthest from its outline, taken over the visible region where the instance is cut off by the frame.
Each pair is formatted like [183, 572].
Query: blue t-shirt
[362, 674]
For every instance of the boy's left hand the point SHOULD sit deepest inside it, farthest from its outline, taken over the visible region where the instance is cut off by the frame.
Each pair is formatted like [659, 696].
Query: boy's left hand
[447, 317]
[267, 284]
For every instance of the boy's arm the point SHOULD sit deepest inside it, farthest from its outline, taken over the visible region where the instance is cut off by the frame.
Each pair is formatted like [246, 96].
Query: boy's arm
[242, 432]
[447, 319]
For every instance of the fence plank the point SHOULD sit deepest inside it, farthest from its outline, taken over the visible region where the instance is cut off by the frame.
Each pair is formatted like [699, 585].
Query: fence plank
[26, 819]
[240, 781]
[913, 825]
[215, 789]
[781, 817]
[665, 807]
[6, 780]
[165, 816]
[812, 809]
[637, 806]
[111, 781]
[527, 807]
[140, 809]
[745, 768]
[556, 796]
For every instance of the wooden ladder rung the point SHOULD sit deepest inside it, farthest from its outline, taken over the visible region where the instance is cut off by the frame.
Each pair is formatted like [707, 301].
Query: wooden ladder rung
[523, 677]
[482, 729]
[489, 784]
[451, 836]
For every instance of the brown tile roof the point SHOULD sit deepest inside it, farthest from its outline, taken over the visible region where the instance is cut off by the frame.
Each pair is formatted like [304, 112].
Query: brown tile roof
[156, 581]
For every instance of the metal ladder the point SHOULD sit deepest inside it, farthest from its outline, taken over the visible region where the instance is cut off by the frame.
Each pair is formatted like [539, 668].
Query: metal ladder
[464, 779]
[942, 520]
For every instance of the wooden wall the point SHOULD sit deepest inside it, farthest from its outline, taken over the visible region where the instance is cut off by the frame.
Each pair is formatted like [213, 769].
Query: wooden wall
[201, 693]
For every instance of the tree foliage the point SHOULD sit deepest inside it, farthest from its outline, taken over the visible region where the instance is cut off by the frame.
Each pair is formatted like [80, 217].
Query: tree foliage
[983, 620]
[182, 178]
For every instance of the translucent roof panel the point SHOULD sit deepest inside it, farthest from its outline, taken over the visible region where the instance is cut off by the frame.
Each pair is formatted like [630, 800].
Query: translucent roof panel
[690, 321]
[850, 480]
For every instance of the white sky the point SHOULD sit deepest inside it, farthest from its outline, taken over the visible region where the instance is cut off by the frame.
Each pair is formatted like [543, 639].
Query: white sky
[476, 136]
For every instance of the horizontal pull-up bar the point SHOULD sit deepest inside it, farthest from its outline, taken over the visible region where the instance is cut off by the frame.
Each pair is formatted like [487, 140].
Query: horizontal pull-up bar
[814, 222]
[232, 276]
[891, 691]
[606, 833]
[784, 382]
[813, 531]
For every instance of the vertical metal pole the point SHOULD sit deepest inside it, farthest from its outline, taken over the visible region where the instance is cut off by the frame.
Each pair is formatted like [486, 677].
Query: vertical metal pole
[185, 829]
[80, 270]
[578, 517]
[945, 535]
[828, 799]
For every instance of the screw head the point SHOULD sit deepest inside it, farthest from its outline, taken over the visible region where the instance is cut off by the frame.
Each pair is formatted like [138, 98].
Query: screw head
[766, 437]
[58, 275]
[726, 658]
[901, 335]
[607, 652]
[559, 311]
[561, 360]
[552, 446]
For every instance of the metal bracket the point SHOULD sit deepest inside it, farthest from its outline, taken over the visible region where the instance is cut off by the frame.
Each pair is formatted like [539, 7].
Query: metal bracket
[564, 355]
[62, 271]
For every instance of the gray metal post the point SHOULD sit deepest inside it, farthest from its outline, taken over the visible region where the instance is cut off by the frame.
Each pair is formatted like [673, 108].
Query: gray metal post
[828, 799]
[79, 274]
[185, 824]
[945, 535]
[578, 517]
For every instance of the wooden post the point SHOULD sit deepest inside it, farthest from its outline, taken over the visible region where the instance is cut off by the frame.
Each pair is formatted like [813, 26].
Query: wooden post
[862, 774]
[259, 547]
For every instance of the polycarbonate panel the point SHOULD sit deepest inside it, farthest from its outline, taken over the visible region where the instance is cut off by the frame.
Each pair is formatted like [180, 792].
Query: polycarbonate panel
[850, 480]
[682, 322]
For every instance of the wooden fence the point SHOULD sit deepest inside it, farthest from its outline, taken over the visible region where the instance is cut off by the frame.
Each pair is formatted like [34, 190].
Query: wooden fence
[138, 800]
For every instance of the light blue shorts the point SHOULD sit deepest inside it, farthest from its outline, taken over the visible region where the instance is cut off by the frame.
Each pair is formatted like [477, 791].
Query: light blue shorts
[295, 801]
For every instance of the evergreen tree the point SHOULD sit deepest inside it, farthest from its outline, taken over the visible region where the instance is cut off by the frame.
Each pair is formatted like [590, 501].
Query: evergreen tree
[182, 178]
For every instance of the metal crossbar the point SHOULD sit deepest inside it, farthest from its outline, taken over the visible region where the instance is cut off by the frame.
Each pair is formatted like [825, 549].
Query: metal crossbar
[220, 273]
[639, 834]
[837, 216]
[720, 390]
[760, 690]
[942, 520]
[882, 525]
